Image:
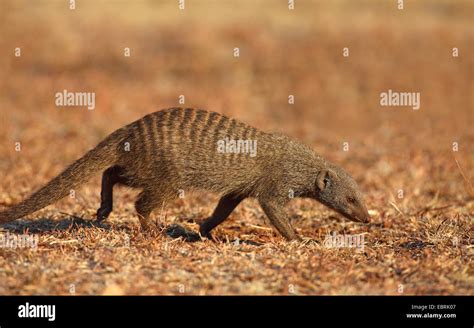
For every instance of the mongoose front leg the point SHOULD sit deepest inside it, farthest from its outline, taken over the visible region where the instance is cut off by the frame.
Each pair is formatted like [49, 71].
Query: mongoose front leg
[110, 177]
[278, 217]
[225, 206]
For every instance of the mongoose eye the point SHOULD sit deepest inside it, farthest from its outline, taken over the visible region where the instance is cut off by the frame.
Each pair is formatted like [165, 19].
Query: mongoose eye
[351, 200]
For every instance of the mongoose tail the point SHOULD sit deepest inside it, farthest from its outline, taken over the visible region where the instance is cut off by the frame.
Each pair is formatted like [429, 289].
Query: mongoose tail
[95, 160]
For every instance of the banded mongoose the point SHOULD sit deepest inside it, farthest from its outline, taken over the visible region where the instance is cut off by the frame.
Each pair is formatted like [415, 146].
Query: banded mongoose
[177, 149]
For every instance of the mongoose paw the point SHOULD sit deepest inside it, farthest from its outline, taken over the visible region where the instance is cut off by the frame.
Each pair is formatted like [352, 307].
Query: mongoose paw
[176, 231]
[103, 213]
[205, 234]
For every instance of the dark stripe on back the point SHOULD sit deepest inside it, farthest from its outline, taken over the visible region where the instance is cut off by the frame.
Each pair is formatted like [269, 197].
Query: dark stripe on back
[212, 118]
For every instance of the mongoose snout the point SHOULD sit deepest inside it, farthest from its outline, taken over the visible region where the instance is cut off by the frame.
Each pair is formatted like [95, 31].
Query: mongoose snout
[359, 213]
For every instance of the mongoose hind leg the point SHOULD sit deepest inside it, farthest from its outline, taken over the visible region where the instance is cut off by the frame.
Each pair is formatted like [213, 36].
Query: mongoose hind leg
[279, 219]
[110, 177]
[147, 201]
[225, 206]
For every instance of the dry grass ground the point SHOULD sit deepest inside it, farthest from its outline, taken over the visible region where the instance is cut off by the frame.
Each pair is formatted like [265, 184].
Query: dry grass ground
[420, 243]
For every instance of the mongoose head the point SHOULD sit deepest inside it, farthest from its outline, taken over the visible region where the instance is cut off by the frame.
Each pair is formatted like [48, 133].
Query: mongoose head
[336, 189]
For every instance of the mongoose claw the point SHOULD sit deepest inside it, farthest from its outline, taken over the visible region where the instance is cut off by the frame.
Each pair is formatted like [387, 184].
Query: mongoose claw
[205, 234]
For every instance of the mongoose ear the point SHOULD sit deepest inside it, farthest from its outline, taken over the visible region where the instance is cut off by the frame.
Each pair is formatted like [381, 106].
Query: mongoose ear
[325, 178]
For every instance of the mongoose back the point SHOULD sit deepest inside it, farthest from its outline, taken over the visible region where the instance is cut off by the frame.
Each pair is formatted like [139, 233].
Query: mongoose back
[178, 149]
